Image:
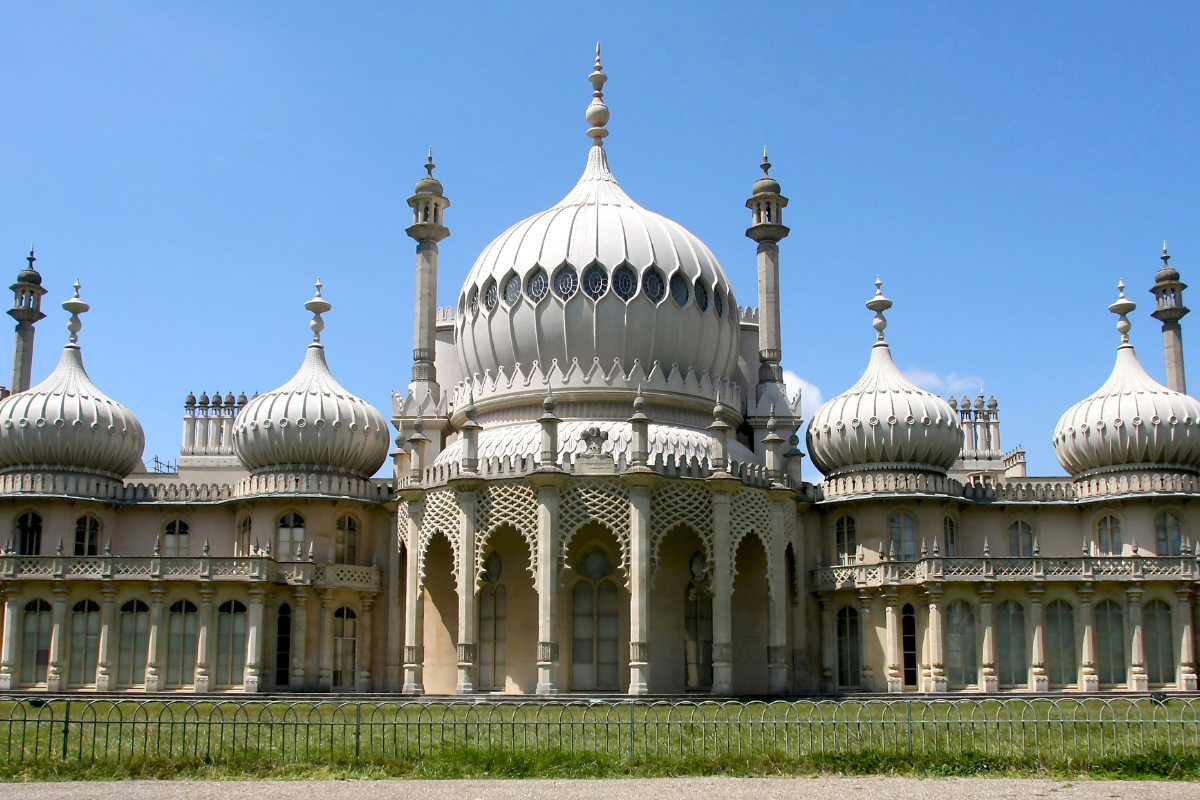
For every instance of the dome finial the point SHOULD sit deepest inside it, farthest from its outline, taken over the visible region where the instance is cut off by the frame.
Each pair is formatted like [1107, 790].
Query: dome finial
[318, 306]
[597, 112]
[879, 304]
[75, 307]
[1122, 307]
[766, 165]
[429, 165]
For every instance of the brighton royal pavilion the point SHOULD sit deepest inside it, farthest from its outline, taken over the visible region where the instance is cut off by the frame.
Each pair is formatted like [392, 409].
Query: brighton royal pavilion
[596, 486]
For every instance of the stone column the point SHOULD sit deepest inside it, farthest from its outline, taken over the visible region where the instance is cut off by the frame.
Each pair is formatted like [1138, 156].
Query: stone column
[106, 681]
[1139, 681]
[204, 642]
[414, 628]
[56, 678]
[363, 684]
[895, 672]
[394, 674]
[155, 681]
[547, 481]
[1039, 678]
[1089, 679]
[468, 609]
[937, 640]
[1186, 639]
[325, 648]
[10, 648]
[299, 639]
[867, 679]
[640, 481]
[924, 664]
[989, 680]
[828, 646]
[801, 668]
[722, 581]
[777, 655]
[252, 682]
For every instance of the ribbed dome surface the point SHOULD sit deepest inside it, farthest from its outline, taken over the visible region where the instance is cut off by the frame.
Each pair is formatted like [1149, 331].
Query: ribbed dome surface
[884, 420]
[597, 276]
[65, 422]
[1130, 421]
[311, 422]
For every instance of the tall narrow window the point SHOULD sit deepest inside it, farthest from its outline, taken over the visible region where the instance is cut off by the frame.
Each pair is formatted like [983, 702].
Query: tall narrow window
[35, 643]
[1160, 652]
[87, 536]
[346, 546]
[908, 637]
[243, 538]
[1020, 540]
[1060, 644]
[961, 662]
[29, 534]
[950, 537]
[291, 538]
[1108, 536]
[594, 624]
[1010, 645]
[847, 540]
[903, 530]
[1110, 644]
[345, 645]
[175, 539]
[181, 644]
[493, 626]
[283, 647]
[85, 643]
[849, 642]
[135, 643]
[697, 627]
[231, 643]
[1170, 535]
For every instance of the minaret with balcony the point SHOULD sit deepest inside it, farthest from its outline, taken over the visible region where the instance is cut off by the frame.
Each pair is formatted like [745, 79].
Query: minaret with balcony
[26, 310]
[1168, 296]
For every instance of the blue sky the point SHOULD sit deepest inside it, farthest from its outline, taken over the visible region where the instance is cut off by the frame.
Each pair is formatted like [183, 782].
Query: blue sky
[197, 166]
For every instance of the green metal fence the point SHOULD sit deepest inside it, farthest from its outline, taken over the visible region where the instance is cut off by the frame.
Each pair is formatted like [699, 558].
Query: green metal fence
[37, 731]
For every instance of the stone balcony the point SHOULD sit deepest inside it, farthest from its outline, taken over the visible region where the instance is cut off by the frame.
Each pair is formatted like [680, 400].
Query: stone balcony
[1016, 570]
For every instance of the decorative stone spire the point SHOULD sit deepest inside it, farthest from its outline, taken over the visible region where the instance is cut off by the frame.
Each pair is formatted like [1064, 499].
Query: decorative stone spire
[318, 306]
[597, 112]
[1121, 308]
[1169, 309]
[880, 304]
[75, 307]
[26, 310]
[766, 205]
[640, 423]
[549, 423]
[429, 205]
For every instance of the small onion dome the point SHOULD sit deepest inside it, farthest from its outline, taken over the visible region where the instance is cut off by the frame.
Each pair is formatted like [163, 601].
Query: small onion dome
[311, 422]
[429, 184]
[66, 423]
[1167, 273]
[766, 184]
[884, 420]
[1132, 421]
[29, 274]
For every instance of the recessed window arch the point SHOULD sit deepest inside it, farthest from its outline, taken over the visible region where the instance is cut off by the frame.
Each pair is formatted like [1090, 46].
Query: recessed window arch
[87, 536]
[346, 541]
[291, 537]
[902, 530]
[1108, 536]
[35, 643]
[595, 281]
[175, 538]
[849, 643]
[512, 290]
[1110, 644]
[1020, 539]
[85, 643]
[566, 282]
[345, 648]
[245, 528]
[701, 295]
[29, 534]
[847, 539]
[950, 536]
[961, 661]
[625, 282]
[697, 626]
[493, 626]
[283, 647]
[473, 301]
[1160, 651]
[718, 303]
[134, 644]
[653, 286]
[538, 285]
[1012, 666]
[594, 638]
[1170, 534]
[679, 290]
[1060, 644]
[231, 643]
[908, 641]
[491, 295]
[182, 635]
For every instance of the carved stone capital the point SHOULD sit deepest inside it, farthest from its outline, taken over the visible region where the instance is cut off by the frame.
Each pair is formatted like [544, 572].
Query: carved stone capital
[639, 652]
[413, 654]
[722, 653]
[547, 652]
[466, 653]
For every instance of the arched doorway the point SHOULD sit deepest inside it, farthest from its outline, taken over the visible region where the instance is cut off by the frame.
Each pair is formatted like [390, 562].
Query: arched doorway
[594, 621]
[507, 607]
[681, 615]
[441, 618]
[751, 614]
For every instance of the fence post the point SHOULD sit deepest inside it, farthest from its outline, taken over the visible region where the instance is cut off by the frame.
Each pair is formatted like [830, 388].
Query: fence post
[908, 713]
[66, 727]
[357, 729]
[631, 730]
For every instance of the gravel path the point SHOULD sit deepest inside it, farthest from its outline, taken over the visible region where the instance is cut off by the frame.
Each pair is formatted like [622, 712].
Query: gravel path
[657, 789]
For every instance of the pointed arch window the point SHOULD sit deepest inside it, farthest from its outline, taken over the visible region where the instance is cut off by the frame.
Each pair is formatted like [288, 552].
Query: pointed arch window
[243, 538]
[847, 540]
[493, 626]
[29, 534]
[1020, 540]
[566, 281]
[291, 537]
[1170, 534]
[1060, 644]
[283, 647]
[85, 643]
[135, 644]
[653, 286]
[950, 537]
[679, 290]
[594, 639]
[87, 536]
[1010, 645]
[625, 283]
[346, 542]
[35, 643]
[849, 643]
[175, 539]
[1110, 644]
[1160, 651]
[345, 646]
[231, 643]
[961, 662]
[1108, 536]
[181, 644]
[595, 282]
[903, 533]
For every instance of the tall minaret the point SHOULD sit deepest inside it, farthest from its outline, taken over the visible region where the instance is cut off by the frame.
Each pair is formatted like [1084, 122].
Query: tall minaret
[428, 205]
[26, 310]
[1168, 294]
[766, 204]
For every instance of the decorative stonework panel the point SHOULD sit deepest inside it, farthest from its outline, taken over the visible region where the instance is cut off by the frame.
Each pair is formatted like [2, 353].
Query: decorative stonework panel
[600, 500]
[680, 501]
[441, 515]
[750, 510]
[507, 503]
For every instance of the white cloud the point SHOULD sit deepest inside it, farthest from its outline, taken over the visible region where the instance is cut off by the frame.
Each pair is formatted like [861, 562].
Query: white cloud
[810, 397]
[951, 383]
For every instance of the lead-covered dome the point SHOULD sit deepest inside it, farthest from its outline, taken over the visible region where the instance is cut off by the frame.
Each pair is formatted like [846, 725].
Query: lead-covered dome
[884, 421]
[1132, 422]
[67, 424]
[311, 423]
[597, 276]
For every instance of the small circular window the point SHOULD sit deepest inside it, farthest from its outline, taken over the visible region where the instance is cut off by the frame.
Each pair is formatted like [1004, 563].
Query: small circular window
[489, 296]
[679, 290]
[653, 286]
[512, 290]
[595, 564]
[595, 282]
[539, 283]
[702, 296]
[566, 282]
[718, 303]
[625, 283]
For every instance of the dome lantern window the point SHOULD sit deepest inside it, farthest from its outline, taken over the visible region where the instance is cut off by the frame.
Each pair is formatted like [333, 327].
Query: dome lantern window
[653, 286]
[595, 282]
[566, 282]
[679, 290]
[537, 286]
[625, 283]
[512, 290]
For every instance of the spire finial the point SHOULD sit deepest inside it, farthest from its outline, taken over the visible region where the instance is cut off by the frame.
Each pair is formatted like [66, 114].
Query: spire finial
[318, 306]
[1122, 307]
[597, 112]
[429, 165]
[32, 258]
[75, 307]
[879, 304]
[766, 165]
[1165, 256]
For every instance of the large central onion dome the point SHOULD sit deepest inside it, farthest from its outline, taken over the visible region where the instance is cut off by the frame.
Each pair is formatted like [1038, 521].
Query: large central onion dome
[66, 424]
[597, 277]
[311, 423]
[1132, 422]
[884, 421]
